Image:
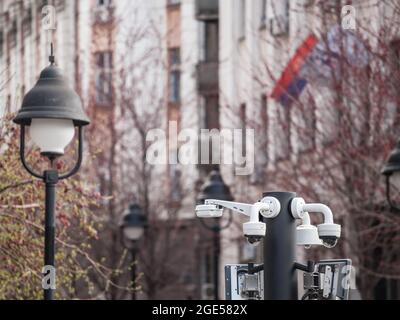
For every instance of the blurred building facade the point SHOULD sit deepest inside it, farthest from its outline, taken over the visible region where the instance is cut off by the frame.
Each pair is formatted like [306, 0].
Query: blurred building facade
[216, 78]
[235, 53]
[25, 44]
[187, 110]
[257, 40]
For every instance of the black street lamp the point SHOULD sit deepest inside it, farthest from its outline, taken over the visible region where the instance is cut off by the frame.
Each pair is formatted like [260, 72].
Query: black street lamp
[215, 188]
[51, 111]
[132, 228]
[392, 170]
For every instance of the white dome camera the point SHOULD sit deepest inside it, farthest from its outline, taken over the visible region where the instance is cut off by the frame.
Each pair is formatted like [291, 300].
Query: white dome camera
[329, 233]
[326, 233]
[307, 236]
[254, 231]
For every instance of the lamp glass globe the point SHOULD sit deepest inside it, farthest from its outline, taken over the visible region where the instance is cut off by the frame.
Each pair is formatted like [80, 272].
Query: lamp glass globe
[52, 135]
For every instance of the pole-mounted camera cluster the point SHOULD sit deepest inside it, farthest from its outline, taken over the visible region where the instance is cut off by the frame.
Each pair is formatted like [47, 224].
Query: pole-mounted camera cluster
[273, 219]
[326, 234]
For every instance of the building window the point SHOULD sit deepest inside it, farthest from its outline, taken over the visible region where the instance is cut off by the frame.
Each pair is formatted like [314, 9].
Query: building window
[8, 104]
[174, 75]
[391, 71]
[176, 190]
[104, 60]
[60, 5]
[1, 43]
[27, 23]
[104, 66]
[104, 12]
[261, 156]
[174, 57]
[242, 19]
[283, 143]
[173, 2]
[243, 126]
[212, 111]
[395, 62]
[211, 41]
[263, 13]
[12, 35]
[104, 3]
[327, 115]
[306, 125]
[264, 126]
[330, 6]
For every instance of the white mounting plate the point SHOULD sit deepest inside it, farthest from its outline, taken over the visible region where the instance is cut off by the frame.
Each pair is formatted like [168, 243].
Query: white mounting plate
[275, 207]
[296, 207]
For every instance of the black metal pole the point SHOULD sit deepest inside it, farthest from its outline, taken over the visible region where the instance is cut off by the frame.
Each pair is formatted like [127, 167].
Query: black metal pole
[280, 282]
[216, 261]
[133, 273]
[50, 179]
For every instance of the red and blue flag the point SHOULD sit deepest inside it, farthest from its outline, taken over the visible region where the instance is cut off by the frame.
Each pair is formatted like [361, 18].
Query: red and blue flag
[291, 83]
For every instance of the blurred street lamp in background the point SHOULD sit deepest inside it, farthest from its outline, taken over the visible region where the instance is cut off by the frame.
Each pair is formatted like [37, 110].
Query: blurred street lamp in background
[392, 172]
[51, 111]
[215, 188]
[133, 225]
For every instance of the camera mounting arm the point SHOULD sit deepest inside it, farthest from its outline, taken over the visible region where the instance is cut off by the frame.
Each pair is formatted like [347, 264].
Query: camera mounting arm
[268, 207]
[328, 232]
[300, 208]
[243, 208]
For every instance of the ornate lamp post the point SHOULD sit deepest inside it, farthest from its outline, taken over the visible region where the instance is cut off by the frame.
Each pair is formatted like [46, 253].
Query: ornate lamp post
[215, 188]
[51, 111]
[391, 170]
[132, 229]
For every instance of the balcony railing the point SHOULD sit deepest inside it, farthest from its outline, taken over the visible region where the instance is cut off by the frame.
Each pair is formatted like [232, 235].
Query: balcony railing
[207, 10]
[207, 77]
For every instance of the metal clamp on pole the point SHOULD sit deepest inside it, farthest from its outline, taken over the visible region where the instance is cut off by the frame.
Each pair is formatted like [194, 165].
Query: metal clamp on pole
[274, 219]
[330, 280]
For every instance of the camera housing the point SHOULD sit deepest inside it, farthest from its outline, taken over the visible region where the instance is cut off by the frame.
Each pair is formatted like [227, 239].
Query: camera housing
[329, 233]
[254, 239]
[208, 211]
[254, 231]
[307, 235]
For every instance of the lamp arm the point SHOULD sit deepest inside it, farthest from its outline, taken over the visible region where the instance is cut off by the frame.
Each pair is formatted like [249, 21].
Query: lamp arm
[227, 225]
[78, 164]
[22, 155]
[389, 200]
